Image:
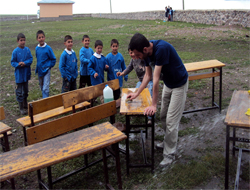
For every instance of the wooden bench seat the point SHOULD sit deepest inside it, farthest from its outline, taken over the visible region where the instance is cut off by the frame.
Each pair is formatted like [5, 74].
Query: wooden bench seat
[42, 151]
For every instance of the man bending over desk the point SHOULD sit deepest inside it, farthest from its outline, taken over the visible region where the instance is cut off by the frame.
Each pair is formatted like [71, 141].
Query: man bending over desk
[175, 77]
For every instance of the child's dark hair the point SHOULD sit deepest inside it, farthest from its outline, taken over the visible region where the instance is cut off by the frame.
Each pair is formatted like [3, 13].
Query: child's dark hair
[67, 37]
[85, 36]
[39, 32]
[19, 36]
[129, 48]
[98, 43]
[114, 41]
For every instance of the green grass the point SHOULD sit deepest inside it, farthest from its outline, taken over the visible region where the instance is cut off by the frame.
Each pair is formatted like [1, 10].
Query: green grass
[188, 172]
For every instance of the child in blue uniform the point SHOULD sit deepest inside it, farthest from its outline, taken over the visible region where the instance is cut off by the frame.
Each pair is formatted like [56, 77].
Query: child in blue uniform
[85, 54]
[45, 61]
[21, 60]
[68, 66]
[116, 64]
[97, 64]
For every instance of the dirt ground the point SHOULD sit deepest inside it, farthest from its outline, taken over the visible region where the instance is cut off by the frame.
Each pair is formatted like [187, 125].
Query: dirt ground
[210, 123]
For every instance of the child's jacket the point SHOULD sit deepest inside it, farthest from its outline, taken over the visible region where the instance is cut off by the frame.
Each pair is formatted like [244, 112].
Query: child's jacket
[97, 65]
[22, 74]
[116, 64]
[85, 54]
[45, 59]
[68, 65]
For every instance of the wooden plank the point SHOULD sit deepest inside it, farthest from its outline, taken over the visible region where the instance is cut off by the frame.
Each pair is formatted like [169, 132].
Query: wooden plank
[203, 75]
[238, 106]
[25, 121]
[138, 105]
[31, 158]
[86, 94]
[4, 128]
[62, 125]
[2, 114]
[196, 66]
[8, 133]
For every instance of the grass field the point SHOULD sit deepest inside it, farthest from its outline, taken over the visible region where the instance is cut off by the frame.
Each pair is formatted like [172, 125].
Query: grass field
[193, 42]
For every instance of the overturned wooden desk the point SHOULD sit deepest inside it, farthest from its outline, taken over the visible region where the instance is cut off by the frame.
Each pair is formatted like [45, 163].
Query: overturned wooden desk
[136, 108]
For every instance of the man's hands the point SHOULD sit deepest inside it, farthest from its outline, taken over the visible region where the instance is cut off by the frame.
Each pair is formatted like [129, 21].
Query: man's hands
[151, 110]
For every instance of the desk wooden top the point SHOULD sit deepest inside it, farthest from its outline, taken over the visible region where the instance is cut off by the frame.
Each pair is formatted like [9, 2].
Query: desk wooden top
[138, 105]
[4, 128]
[195, 66]
[239, 104]
[56, 150]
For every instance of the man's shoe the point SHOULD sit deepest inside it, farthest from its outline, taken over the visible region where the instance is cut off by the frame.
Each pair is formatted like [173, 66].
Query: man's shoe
[160, 145]
[167, 160]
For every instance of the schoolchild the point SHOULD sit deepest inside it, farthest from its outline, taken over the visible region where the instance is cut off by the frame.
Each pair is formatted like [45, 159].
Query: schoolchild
[45, 61]
[139, 66]
[68, 65]
[21, 60]
[116, 64]
[97, 64]
[85, 54]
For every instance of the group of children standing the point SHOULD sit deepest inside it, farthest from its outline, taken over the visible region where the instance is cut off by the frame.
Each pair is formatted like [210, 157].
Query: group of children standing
[92, 66]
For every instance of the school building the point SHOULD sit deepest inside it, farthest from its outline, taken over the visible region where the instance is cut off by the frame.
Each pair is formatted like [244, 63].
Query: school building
[51, 10]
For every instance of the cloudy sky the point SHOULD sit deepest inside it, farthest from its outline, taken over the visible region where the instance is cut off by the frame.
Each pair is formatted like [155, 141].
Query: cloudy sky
[118, 6]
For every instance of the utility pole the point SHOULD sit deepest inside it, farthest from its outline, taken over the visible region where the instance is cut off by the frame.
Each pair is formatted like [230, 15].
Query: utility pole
[183, 7]
[110, 7]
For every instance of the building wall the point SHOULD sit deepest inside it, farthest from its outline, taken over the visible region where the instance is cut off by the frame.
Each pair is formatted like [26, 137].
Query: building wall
[55, 10]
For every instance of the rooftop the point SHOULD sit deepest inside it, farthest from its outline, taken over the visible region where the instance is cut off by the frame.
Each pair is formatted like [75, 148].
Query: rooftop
[55, 1]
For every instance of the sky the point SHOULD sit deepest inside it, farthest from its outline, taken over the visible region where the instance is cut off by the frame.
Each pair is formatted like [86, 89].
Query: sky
[118, 6]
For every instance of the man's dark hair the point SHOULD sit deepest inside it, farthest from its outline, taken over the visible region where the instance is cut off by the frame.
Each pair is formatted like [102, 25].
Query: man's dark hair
[138, 42]
[67, 37]
[19, 36]
[39, 32]
[85, 36]
[98, 43]
[114, 41]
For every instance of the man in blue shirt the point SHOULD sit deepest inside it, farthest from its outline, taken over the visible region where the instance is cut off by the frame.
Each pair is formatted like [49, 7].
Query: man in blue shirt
[167, 63]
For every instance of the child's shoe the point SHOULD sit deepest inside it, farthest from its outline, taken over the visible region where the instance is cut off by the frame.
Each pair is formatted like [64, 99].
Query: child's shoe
[22, 110]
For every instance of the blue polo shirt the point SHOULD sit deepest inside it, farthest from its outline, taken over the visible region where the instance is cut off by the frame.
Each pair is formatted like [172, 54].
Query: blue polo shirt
[173, 69]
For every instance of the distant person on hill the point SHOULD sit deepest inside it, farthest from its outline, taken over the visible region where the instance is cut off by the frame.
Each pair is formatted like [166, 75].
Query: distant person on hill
[21, 60]
[46, 59]
[172, 14]
[116, 64]
[175, 77]
[68, 65]
[85, 54]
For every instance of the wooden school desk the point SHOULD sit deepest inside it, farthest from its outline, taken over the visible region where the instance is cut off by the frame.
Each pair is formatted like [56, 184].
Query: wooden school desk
[236, 118]
[136, 108]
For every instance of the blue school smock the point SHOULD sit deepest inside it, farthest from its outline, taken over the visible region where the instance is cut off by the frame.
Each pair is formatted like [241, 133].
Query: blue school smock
[116, 64]
[84, 55]
[68, 65]
[22, 74]
[45, 59]
[97, 65]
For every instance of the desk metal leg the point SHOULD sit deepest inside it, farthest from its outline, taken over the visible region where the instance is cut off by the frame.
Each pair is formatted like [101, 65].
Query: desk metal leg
[127, 142]
[227, 157]
[213, 88]
[105, 168]
[118, 165]
[234, 141]
[153, 144]
[220, 95]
